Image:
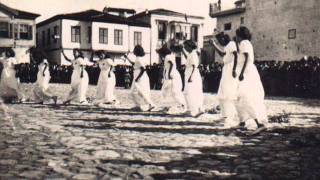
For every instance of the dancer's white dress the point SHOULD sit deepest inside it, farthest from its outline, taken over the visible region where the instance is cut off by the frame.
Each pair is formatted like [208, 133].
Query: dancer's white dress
[193, 90]
[250, 104]
[228, 88]
[41, 91]
[79, 84]
[9, 84]
[106, 84]
[141, 90]
[172, 88]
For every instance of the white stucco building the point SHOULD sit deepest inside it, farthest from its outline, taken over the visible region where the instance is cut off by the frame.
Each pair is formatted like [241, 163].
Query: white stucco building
[169, 25]
[17, 31]
[115, 32]
[90, 30]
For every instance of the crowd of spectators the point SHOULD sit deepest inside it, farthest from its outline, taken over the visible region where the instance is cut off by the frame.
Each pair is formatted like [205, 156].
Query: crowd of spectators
[299, 78]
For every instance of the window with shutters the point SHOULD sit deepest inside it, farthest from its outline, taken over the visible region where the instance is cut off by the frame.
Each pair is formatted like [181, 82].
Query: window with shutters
[162, 30]
[16, 31]
[118, 37]
[76, 34]
[103, 35]
[4, 30]
[194, 33]
[25, 32]
[137, 38]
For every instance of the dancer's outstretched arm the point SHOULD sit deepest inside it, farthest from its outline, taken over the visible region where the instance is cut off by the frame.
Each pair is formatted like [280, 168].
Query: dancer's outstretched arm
[220, 51]
[65, 57]
[130, 61]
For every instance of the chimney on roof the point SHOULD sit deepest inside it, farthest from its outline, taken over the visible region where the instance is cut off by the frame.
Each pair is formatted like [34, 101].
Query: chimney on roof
[105, 10]
[219, 4]
[147, 11]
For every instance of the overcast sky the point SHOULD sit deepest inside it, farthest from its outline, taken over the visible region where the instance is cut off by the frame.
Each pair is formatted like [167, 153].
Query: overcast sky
[48, 8]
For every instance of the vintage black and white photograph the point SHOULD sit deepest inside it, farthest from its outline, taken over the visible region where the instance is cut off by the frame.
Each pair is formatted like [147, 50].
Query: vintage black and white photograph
[160, 89]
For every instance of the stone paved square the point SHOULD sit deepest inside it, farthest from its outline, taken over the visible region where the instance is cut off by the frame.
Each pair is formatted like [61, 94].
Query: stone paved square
[88, 142]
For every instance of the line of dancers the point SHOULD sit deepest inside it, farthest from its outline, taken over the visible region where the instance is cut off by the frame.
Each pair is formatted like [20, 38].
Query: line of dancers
[241, 94]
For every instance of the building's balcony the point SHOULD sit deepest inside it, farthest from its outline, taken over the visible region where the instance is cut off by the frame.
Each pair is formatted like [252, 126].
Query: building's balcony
[215, 9]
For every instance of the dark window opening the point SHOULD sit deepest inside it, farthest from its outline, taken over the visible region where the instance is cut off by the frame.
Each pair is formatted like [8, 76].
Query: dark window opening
[292, 33]
[162, 30]
[242, 20]
[5, 30]
[194, 33]
[227, 27]
[25, 32]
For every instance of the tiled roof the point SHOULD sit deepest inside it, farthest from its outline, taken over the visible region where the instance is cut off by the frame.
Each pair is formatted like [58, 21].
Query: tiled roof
[165, 12]
[95, 16]
[108, 18]
[110, 9]
[227, 12]
[18, 13]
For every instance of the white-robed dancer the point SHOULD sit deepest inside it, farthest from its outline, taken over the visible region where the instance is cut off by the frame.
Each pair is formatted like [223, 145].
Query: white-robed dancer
[79, 78]
[250, 104]
[193, 80]
[228, 88]
[9, 84]
[107, 80]
[41, 90]
[140, 89]
[172, 85]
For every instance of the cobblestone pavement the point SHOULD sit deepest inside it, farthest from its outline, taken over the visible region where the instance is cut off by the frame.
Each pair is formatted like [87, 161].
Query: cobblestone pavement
[88, 142]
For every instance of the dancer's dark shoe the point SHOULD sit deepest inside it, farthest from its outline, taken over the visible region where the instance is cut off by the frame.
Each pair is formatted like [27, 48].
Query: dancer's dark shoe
[151, 107]
[66, 102]
[261, 128]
